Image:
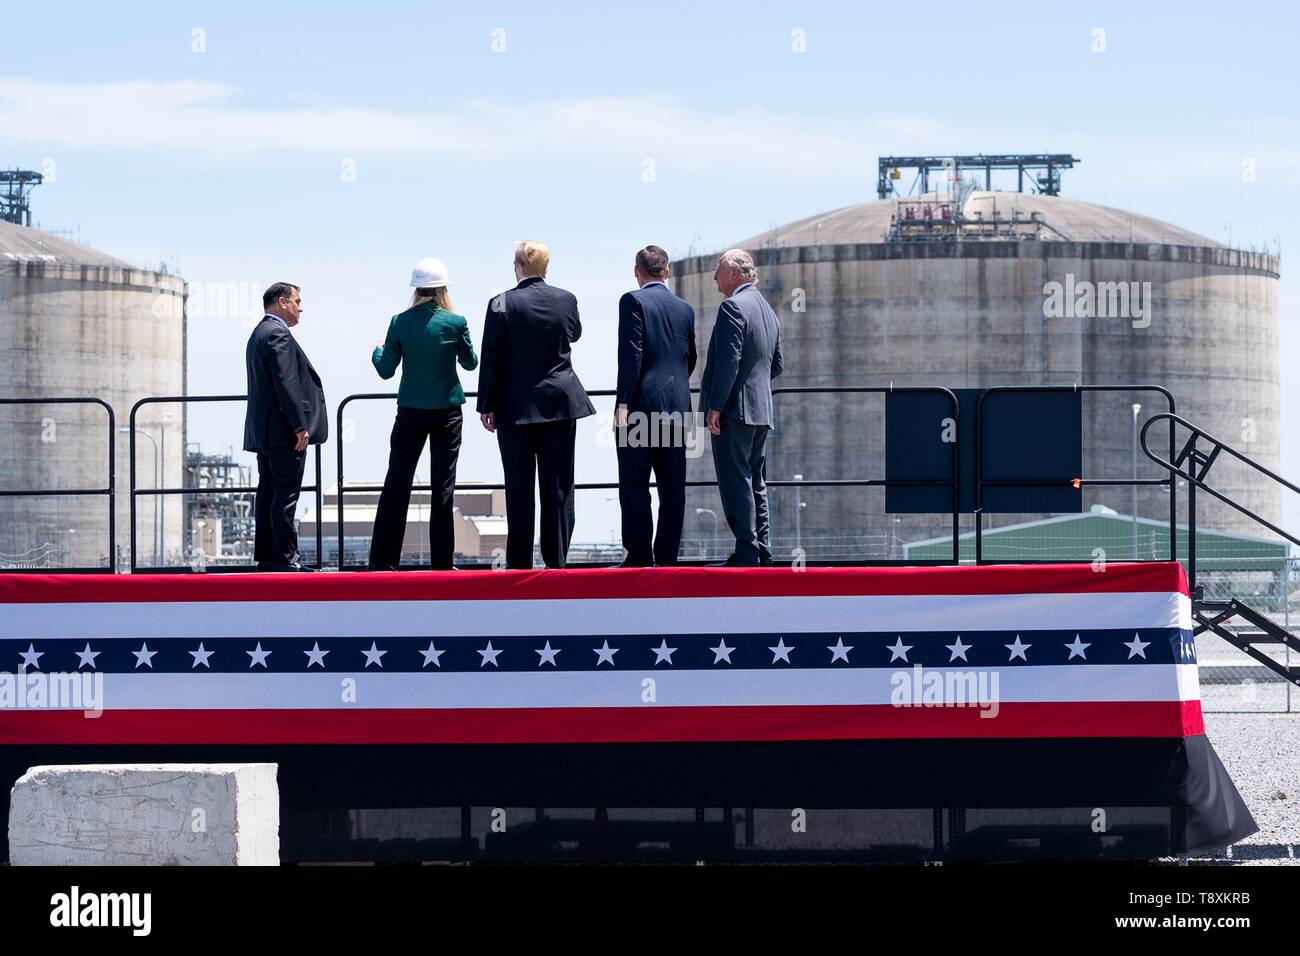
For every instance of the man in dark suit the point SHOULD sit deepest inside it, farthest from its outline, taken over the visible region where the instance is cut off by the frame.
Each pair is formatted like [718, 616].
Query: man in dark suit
[530, 397]
[744, 356]
[656, 356]
[285, 414]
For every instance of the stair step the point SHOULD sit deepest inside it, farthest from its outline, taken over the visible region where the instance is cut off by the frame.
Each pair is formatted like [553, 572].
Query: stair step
[1259, 637]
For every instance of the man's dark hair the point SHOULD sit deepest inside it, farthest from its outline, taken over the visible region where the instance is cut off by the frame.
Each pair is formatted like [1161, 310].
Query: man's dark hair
[652, 261]
[278, 291]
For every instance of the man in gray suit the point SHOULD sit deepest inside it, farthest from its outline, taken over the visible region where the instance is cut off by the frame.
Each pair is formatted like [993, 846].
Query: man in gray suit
[736, 390]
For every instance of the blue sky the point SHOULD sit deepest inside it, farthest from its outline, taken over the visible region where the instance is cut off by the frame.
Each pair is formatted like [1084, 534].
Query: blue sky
[233, 161]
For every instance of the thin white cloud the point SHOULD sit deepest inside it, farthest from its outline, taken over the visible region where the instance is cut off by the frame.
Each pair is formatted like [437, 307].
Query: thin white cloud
[216, 120]
[221, 122]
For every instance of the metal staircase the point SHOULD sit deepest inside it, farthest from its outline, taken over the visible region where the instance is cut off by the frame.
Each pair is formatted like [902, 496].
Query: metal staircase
[1193, 463]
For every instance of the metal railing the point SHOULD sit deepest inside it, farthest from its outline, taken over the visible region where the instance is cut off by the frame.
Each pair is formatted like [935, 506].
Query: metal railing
[1200, 461]
[315, 487]
[109, 491]
[1077, 481]
[952, 483]
[1211, 614]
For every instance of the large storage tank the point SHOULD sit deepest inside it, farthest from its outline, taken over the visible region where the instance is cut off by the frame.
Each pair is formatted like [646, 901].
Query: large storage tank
[77, 322]
[950, 290]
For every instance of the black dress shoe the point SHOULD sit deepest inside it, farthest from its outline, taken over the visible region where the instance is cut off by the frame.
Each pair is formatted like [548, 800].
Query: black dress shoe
[764, 560]
[631, 564]
[735, 562]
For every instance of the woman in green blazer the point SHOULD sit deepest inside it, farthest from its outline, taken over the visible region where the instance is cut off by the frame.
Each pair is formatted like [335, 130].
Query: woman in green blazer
[428, 339]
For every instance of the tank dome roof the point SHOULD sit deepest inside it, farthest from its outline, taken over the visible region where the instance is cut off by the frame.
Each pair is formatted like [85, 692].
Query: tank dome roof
[1064, 219]
[24, 244]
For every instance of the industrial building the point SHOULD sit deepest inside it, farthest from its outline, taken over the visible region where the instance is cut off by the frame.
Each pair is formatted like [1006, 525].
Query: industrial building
[952, 284]
[479, 524]
[77, 322]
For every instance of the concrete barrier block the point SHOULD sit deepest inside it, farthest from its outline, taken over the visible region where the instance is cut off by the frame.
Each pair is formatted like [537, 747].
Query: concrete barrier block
[224, 814]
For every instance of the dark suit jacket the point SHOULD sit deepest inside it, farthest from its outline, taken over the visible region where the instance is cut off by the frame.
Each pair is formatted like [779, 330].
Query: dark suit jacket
[744, 356]
[656, 350]
[526, 373]
[284, 392]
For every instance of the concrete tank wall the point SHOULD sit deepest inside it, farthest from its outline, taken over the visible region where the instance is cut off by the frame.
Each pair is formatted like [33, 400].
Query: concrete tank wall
[86, 330]
[971, 314]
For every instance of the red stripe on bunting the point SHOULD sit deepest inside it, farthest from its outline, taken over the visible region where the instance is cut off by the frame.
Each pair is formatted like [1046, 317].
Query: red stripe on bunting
[589, 584]
[601, 724]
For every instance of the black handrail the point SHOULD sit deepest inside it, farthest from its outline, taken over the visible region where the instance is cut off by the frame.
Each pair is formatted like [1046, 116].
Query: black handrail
[981, 481]
[952, 483]
[1192, 453]
[109, 490]
[316, 487]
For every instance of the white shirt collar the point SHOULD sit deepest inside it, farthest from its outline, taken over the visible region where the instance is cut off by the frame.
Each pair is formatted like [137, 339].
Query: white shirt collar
[743, 285]
[277, 318]
[654, 282]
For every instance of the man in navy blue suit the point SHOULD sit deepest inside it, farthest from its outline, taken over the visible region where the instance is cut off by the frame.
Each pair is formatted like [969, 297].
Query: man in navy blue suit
[656, 355]
[529, 395]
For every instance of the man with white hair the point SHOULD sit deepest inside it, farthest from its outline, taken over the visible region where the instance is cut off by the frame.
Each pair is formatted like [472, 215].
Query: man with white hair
[736, 392]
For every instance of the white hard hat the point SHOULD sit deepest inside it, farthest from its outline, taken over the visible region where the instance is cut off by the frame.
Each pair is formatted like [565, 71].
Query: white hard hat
[429, 273]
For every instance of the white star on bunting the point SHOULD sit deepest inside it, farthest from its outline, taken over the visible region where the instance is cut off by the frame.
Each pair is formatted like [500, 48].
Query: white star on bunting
[87, 656]
[1137, 647]
[663, 652]
[958, 650]
[780, 652]
[1077, 649]
[839, 652]
[316, 655]
[1017, 650]
[489, 656]
[144, 656]
[547, 654]
[31, 656]
[200, 657]
[373, 656]
[899, 651]
[258, 656]
[722, 652]
[431, 655]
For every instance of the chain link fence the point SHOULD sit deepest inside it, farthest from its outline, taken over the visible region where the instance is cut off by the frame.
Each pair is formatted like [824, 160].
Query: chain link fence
[1230, 681]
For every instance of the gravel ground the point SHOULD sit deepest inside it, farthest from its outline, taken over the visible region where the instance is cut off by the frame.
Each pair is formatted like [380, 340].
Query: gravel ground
[1262, 754]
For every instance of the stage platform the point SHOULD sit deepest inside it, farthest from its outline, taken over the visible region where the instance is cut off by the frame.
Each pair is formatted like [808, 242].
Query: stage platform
[1058, 705]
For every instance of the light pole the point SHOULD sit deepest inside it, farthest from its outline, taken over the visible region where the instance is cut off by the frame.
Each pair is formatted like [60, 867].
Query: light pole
[1137, 409]
[428, 516]
[125, 430]
[714, 515]
[798, 512]
[198, 553]
[162, 480]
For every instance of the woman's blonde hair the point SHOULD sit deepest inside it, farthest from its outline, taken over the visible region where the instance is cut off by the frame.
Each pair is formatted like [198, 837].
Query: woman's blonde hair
[438, 297]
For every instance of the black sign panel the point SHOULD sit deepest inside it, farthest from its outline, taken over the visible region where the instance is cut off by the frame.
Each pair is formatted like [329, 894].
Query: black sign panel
[1026, 437]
